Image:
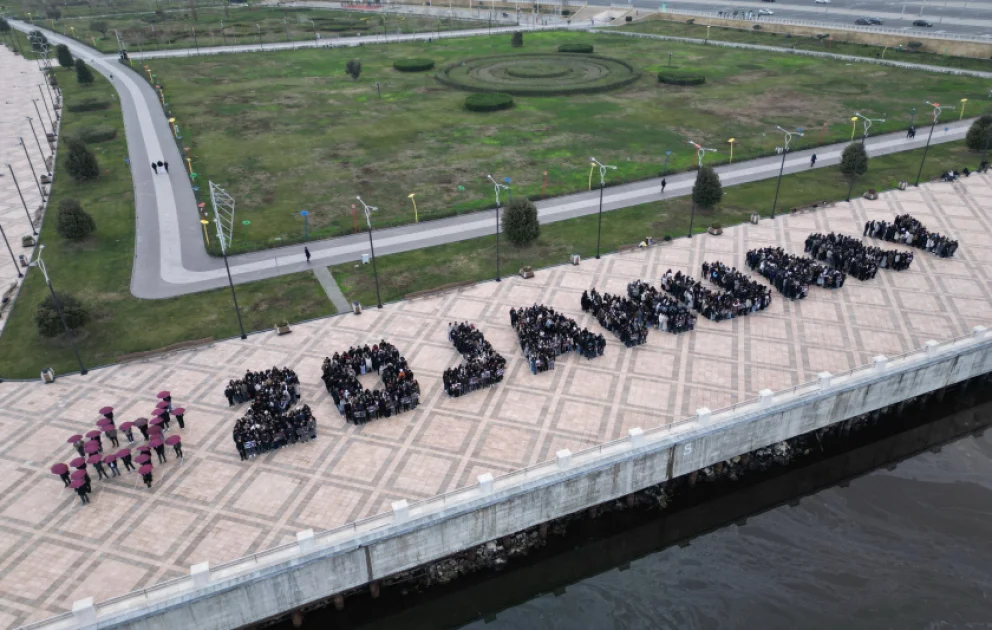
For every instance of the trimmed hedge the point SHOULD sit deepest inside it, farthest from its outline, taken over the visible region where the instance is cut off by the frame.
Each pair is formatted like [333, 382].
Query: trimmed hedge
[463, 82]
[575, 48]
[671, 77]
[488, 101]
[88, 105]
[414, 65]
[93, 135]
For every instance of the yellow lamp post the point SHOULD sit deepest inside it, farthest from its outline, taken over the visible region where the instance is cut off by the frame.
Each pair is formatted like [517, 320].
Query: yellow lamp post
[411, 196]
[964, 101]
[175, 127]
[854, 126]
[205, 223]
[592, 165]
[732, 141]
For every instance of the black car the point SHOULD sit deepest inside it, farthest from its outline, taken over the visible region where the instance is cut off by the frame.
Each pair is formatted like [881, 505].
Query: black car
[874, 21]
[862, 22]
[922, 23]
[768, 0]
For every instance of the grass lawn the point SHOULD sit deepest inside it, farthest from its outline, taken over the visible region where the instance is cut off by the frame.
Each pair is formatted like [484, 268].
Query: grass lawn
[475, 259]
[288, 131]
[804, 42]
[98, 271]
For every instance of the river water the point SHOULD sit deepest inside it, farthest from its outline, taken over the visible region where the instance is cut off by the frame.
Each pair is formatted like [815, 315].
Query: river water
[908, 548]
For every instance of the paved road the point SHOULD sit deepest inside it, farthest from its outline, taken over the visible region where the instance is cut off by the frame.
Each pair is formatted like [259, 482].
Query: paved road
[170, 259]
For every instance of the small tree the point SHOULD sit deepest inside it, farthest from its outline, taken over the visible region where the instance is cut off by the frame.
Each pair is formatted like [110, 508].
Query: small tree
[520, 222]
[47, 316]
[38, 41]
[707, 191]
[81, 163]
[980, 134]
[74, 222]
[83, 73]
[64, 56]
[353, 68]
[854, 161]
[517, 40]
[4, 25]
[100, 27]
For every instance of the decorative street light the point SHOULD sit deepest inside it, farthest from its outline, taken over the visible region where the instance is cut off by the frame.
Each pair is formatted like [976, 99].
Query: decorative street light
[496, 187]
[412, 196]
[306, 224]
[602, 184]
[937, 108]
[223, 206]
[731, 142]
[368, 221]
[12, 258]
[867, 123]
[854, 126]
[40, 264]
[964, 102]
[781, 170]
[21, 195]
[700, 153]
[668, 154]
[33, 173]
[38, 141]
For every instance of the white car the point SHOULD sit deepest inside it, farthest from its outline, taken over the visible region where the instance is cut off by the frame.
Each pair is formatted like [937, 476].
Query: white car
[765, 12]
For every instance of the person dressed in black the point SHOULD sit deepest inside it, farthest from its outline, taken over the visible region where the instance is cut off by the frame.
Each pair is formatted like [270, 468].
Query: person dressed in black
[155, 167]
[144, 430]
[166, 165]
[111, 433]
[544, 334]
[147, 478]
[112, 465]
[128, 433]
[160, 451]
[663, 184]
[127, 462]
[812, 160]
[179, 413]
[178, 448]
[620, 315]
[907, 230]
[483, 366]
[401, 391]
[306, 252]
[83, 494]
[99, 471]
[66, 479]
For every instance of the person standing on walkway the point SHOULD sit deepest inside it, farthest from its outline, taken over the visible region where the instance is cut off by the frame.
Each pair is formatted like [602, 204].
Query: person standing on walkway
[155, 167]
[664, 183]
[306, 251]
[101, 474]
[160, 451]
[112, 434]
[166, 165]
[812, 161]
[112, 464]
[127, 462]
[81, 491]
[147, 478]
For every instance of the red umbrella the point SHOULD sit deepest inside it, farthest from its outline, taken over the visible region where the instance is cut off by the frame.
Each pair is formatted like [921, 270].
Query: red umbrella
[178, 411]
[144, 449]
[126, 426]
[159, 412]
[163, 394]
[155, 430]
[144, 458]
[109, 458]
[103, 421]
[93, 434]
[161, 405]
[144, 470]
[172, 440]
[141, 422]
[156, 442]
[61, 469]
[124, 452]
[79, 474]
[91, 447]
[77, 483]
[74, 439]
[157, 420]
[107, 410]
[94, 459]
[79, 462]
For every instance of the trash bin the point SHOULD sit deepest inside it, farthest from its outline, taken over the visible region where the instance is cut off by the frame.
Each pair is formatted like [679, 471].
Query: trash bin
[755, 218]
[356, 307]
[48, 375]
[365, 259]
[22, 260]
[575, 259]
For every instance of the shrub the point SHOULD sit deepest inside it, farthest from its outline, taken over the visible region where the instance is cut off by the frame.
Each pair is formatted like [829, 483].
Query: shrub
[88, 105]
[915, 45]
[566, 12]
[4, 25]
[979, 134]
[47, 316]
[854, 160]
[757, 27]
[629, 19]
[707, 191]
[74, 222]
[674, 77]
[520, 222]
[53, 13]
[353, 68]
[94, 135]
[80, 162]
[517, 40]
[691, 21]
[575, 48]
[488, 102]
[414, 65]
[64, 56]
[99, 27]
[83, 73]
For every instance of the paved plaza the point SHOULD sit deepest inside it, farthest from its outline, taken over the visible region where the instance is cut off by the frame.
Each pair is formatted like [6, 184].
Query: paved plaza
[216, 508]
[21, 79]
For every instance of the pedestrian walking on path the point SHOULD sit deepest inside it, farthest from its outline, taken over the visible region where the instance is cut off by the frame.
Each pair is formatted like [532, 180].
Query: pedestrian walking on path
[155, 167]
[306, 251]
[663, 184]
[812, 160]
[166, 164]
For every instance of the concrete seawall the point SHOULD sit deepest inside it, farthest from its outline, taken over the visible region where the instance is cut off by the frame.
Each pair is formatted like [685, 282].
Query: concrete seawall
[318, 566]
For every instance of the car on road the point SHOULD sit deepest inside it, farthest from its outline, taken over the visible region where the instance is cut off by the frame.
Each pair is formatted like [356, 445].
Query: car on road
[862, 22]
[765, 12]
[874, 21]
[768, 0]
[821, 1]
[923, 23]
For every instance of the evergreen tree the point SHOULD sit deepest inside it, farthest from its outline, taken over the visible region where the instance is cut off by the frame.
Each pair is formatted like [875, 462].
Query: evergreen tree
[4, 25]
[854, 161]
[517, 40]
[707, 191]
[980, 134]
[81, 163]
[83, 73]
[74, 222]
[520, 222]
[353, 68]
[64, 56]
[47, 316]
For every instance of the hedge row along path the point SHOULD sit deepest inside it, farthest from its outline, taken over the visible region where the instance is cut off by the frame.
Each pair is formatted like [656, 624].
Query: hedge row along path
[539, 74]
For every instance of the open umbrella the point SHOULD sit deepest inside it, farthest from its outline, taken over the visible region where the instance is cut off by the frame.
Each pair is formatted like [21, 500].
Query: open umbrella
[109, 458]
[91, 447]
[74, 438]
[141, 422]
[161, 405]
[144, 470]
[155, 430]
[126, 426]
[94, 434]
[124, 452]
[103, 421]
[172, 440]
[79, 462]
[77, 483]
[156, 442]
[106, 410]
[79, 474]
[94, 459]
[157, 420]
[144, 449]
[159, 412]
[61, 469]
[163, 394]
[144, 458]
[178, 411]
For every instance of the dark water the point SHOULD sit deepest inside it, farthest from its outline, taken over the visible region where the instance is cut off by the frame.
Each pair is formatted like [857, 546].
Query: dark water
[910, 548]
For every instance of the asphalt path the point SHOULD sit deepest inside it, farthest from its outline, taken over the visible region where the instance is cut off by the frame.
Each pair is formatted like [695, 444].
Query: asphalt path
[170, 258]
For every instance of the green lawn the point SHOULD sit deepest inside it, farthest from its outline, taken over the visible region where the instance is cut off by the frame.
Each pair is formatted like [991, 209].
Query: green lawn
[288, 131]
[98, 271]
[804, 42]
[475, 259]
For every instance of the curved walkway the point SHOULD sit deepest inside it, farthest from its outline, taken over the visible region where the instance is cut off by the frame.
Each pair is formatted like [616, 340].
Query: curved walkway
[170, 258]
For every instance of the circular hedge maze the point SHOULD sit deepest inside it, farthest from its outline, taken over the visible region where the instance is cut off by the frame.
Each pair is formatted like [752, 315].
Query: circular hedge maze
[539, 74]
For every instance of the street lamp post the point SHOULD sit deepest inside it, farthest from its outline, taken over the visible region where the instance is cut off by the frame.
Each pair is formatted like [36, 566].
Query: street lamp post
[40, 264]
[259, 29]
[38, 141]
[58, 116]
[854, 127]
[496, 187]
[368, 221]
[23, 203]
[731, 142]
[912, 116]
[33, 173]
[700, 153]
[13, 259]
[964, 102]
[668, 154]
[306, 224]
[412, 197]
[867, 123]
[781, 170]
[315, 38]
[602, 184]
[936, 114]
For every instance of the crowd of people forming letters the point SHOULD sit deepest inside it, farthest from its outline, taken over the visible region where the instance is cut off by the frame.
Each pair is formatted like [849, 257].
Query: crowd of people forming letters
[854, 257]
[544, 334]
[401, 391]
[483, 366]
[272, 421]
[907, 230]
[792, 275]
